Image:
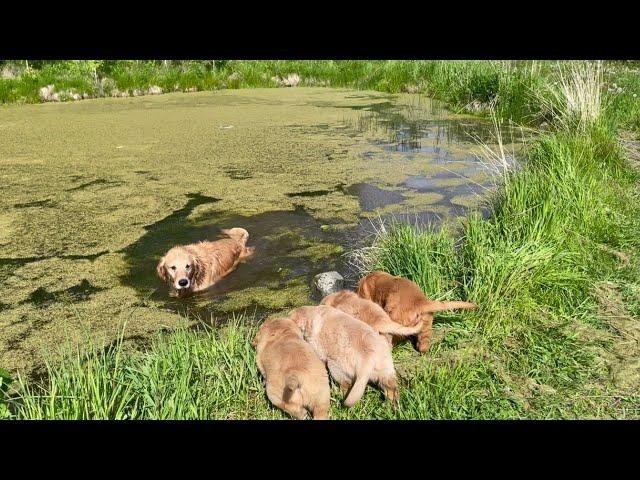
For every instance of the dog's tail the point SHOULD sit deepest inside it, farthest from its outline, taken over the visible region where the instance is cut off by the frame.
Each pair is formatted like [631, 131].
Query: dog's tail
[431, 306]
[291, 384]
[396, 329]
[362, 379]
[239, 234]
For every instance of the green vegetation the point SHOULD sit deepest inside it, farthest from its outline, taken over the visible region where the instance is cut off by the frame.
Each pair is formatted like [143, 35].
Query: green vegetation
[515, 87]
[555, 268]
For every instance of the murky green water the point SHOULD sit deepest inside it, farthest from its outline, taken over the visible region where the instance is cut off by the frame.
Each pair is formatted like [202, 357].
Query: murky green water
[94, 192]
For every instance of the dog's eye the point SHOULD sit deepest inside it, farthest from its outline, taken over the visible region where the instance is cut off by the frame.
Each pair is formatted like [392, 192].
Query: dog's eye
[188, 267]
[173, 268]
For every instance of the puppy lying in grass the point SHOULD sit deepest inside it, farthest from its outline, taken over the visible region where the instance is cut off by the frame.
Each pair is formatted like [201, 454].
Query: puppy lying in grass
[296, 378]
[405, 303]
[193, 268]
[355, 353]
[370, 313]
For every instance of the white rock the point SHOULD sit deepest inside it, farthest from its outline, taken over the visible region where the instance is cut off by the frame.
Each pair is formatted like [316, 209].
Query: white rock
[292, 80]
[327, 283]
[46, 93]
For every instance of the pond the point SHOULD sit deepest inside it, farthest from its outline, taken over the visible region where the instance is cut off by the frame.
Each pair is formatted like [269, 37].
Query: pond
[94, 192]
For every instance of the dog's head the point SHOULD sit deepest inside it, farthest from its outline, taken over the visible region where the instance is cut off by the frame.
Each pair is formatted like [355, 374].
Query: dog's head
[276, 328]
[368, 284]
[180, 268]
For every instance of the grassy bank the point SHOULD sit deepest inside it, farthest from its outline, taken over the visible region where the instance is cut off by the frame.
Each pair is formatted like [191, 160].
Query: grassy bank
[554, 269]
[515, 87]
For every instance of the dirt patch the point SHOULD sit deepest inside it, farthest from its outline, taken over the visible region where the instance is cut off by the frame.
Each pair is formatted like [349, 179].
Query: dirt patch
[624, 356]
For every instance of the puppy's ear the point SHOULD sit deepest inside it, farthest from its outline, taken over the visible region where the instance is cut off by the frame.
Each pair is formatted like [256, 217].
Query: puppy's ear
[162, 271]
[363, 288]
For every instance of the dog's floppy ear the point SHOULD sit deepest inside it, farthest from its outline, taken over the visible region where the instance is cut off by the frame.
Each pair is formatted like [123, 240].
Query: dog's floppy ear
[162, 271]
[198, 270]
[363, 287]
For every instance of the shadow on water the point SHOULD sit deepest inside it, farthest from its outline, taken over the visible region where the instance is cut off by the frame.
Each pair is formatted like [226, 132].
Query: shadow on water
[371, 197]
[9, 265]
[99, 181]
[48, 203]
[41, 297]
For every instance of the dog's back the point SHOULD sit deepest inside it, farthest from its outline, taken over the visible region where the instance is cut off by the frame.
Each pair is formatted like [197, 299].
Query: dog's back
[368, 312]
[355, 353]
[296, 378]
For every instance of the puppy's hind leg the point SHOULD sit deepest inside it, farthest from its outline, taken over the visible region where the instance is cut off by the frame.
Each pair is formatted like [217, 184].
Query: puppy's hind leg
[362, 379]
[321, 411]
[424, 336]
[339, 376]
[390, 387]
[295, 410]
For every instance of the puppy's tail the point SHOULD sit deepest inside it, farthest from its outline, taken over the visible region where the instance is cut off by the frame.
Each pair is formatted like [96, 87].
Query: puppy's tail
[239, 234]
[397, 329]
[291, 384]
[362, 379]
[431, 306]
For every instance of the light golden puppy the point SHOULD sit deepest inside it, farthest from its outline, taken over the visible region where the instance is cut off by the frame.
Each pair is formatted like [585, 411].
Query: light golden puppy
[355, 353]
[405, 303]
[193, 268]
[296, 378]
[370, 313]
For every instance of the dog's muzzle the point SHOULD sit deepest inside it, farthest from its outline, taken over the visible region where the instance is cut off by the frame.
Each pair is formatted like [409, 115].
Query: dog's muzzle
[183, 283]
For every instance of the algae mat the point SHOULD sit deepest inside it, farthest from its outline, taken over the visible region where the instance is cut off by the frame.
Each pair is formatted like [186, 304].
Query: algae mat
[95, 191]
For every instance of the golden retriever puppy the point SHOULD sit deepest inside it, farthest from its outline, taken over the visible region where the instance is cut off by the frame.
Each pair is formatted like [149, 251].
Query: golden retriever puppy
[355, 353]
[193, 268]
[370, 313]
[296, 378]
[405, 303]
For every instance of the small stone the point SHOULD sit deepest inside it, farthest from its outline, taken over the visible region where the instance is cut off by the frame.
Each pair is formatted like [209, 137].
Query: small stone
[327, 283]
[138, 93]
[155, 90]
[46, 93]
[292, 80]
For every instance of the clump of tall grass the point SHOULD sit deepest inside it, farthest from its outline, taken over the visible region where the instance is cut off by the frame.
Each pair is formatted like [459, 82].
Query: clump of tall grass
[574, 101]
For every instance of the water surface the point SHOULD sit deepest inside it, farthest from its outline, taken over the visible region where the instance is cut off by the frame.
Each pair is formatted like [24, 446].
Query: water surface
[94, 192]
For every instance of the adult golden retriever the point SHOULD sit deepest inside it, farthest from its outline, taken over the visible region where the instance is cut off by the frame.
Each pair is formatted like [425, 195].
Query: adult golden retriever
[296, 378]
[193, 268]
[405, 303]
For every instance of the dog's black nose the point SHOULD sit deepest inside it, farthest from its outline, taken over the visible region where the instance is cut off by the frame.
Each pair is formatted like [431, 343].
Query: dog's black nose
[183, 282]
